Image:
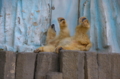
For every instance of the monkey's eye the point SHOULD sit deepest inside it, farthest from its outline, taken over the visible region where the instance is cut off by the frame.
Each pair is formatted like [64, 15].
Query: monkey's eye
[83, 19]
[62, 20]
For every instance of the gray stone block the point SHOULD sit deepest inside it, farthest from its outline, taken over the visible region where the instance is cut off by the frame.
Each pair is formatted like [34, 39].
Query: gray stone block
[25, 65]
[104, 66]
[115, 66]
[46, 62]
[91, 68]
[7, 65]
[54, 75]
[72, 64]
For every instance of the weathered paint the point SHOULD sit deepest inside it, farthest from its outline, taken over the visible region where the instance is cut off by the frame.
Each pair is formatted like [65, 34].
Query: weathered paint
[23, 23]
[67, 9]
[105, 26]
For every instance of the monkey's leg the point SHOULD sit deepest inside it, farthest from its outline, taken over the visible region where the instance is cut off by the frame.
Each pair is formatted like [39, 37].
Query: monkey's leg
[74, 47]
[71, 46]
[88, 46]
[47, 48]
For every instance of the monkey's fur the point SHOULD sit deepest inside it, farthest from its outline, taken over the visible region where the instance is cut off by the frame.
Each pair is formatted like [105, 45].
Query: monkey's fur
[52, 40]
[80, 41]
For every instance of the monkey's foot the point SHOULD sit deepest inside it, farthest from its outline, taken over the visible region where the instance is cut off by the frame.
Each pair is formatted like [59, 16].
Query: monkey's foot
[38, 50]
[58, 49]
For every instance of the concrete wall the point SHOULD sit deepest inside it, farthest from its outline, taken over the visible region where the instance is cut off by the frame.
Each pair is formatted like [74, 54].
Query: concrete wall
[65, 65]
[23, 23]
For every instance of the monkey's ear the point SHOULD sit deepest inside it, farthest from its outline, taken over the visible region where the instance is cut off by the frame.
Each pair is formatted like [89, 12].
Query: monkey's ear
[60, 19]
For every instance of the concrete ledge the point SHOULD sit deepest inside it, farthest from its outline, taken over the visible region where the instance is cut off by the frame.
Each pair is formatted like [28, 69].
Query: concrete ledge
[72, 64]
[7, 65]
[115, 67]
[54, 75]
[91, 65]
[104, 66]
[46, 62]
[25, 65]
[65, 65]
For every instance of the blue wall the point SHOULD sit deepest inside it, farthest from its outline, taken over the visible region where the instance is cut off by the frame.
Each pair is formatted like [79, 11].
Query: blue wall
[23, 23]
[0, 5]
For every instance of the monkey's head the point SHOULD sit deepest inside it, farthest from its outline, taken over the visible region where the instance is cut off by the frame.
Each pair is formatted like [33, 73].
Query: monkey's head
[62, 22]
[84, 22]
[53, 27]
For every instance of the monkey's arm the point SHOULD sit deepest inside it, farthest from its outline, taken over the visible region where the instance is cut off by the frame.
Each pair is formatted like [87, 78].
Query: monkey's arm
[48, 48]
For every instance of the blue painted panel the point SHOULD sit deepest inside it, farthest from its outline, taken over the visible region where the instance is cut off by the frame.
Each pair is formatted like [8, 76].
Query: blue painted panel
[103, 16]
[0, 5]
[67, 9]
[23, 23]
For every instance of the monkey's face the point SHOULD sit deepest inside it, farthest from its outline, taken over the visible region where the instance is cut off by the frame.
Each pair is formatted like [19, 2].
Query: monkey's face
[62, 21]
[53, 27]
[84, 21]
